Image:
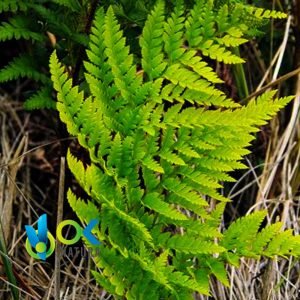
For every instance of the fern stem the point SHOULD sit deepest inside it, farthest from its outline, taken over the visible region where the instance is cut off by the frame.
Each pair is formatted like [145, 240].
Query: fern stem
[240, 77]
[81, 51]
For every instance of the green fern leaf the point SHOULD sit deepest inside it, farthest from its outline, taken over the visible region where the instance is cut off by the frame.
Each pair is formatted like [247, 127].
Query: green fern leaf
[173, 35]
[154, 202]
[185, 281]
[218, 269]
[119, 59]
[215, 51]
[241, 234]
[41, 99]
[152, 165]
[151, 43]
[20, 67]
[13, 5]
[18, 28]
[187, 244]
[74, 5]
[184, 191]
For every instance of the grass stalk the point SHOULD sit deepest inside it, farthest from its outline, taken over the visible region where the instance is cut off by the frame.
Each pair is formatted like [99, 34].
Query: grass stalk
[8, 266]
[240, 77]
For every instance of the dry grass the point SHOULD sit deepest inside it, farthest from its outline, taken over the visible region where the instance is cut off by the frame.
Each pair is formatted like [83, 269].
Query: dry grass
[21, 202]
[275, 188]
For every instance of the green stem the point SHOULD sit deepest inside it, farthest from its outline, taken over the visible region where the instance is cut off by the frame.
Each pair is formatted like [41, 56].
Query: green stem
[240, 77]
[8, 266]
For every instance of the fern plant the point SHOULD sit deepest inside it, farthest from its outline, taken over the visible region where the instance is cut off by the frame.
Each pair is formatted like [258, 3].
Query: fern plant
[37, 27]
[162, 138]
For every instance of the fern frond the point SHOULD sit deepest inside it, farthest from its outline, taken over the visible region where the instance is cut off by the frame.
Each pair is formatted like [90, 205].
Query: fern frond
[172, 158]
[41, 99]
[283, 244]
[231, 41]
[153, 165]
[173, 36]
[262, 13]
[66, 95]
[119, 59]
[87, 211]
[184, 191]
[95, 181]
[217, 268]
[154, 202]
[215, 51]
[102, 85]
[241, 234]
[151, 43]
[185, 281]
[265, 236]
[13, 5]
[200, 178]
[162, 138]
[193, 24]
[18, 28]
[187, 244]
[74, 5]
[188, 79]
[194, 61]
[20, 67]
[155, 269]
